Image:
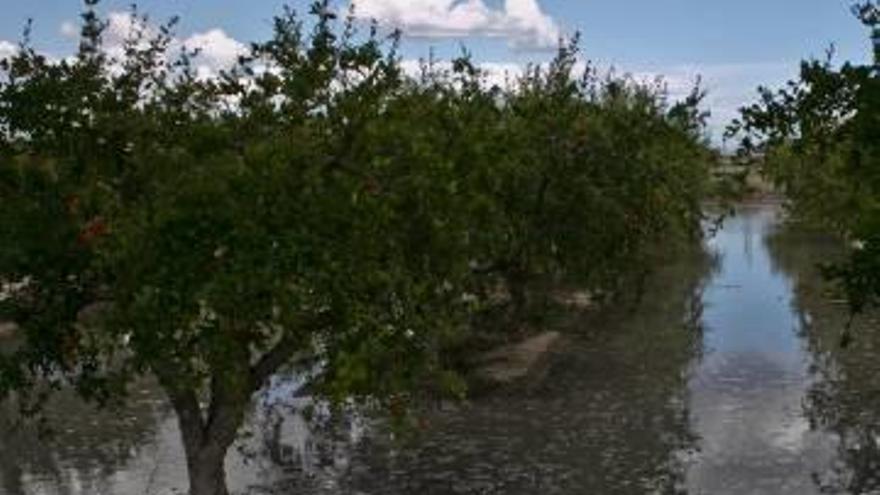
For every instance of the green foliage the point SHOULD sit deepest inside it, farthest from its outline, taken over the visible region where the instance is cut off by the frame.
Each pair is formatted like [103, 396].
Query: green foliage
[819, 140]
[311, 206]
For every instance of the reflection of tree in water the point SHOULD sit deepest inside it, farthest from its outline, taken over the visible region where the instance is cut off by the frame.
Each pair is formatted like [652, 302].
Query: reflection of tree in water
[84, 448]
[301, 446]
[844, 398]
[10, 470]
[610, 416]
[292, 442]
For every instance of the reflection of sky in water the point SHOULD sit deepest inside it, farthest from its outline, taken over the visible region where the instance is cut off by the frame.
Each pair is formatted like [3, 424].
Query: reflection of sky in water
[746, 395]
[748, 303]
[614, 413]
[137, 449]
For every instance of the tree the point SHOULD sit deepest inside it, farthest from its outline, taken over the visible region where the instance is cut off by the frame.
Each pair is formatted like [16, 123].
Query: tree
[216, 241]
[819, 139]
[311, 207]
[588, 176]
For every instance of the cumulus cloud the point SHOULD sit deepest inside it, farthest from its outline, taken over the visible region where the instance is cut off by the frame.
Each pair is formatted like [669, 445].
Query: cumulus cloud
[521, 22]
[122, 25]
[501, 74]
[217, 50]
[7, 49]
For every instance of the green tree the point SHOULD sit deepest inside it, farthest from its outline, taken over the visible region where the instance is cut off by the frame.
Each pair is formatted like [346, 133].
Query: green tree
[588, 176]
[311, 207]
[819, 140]
[217, 229]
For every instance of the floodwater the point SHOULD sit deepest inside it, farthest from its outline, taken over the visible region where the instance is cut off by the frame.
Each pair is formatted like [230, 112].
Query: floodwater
[727, 377]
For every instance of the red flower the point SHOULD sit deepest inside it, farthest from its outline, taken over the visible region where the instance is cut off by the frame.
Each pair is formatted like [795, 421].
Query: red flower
[94, 229]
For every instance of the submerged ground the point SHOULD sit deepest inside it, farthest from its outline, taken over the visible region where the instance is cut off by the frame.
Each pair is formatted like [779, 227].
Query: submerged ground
[727, 377]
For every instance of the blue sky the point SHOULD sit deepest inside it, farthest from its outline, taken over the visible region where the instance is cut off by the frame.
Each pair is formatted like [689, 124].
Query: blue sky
[734, 45]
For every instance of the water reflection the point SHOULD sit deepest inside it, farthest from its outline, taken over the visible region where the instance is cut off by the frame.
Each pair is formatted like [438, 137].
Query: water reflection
[610, 417]
[87, 451]
[768, 403]
[746, 393]
[843, 399]
[135, 448]
[727, 378]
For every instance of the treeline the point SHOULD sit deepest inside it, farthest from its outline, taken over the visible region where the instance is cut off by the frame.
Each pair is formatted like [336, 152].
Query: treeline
[818, 139]
[313, 205]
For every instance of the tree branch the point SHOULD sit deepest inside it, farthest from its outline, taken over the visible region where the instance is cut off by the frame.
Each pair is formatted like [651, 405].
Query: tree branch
[283, 353]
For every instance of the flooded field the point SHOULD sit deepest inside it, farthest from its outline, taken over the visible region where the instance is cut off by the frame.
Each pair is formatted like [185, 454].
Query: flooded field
[727, 377]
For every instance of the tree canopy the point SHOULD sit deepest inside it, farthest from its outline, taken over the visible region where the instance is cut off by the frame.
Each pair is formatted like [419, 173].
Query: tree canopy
[313, 206]
[819, 140]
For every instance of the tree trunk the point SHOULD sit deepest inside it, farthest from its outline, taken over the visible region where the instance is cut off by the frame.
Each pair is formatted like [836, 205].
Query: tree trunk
[205, 441]
[207, 435]
[519, 298]
[207, 471]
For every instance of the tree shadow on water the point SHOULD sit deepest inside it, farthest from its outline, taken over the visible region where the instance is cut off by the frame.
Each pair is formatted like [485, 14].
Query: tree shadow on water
[843, 400]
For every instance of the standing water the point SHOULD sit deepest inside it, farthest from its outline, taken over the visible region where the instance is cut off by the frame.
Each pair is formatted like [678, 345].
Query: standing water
[726, 377]
[747, 392]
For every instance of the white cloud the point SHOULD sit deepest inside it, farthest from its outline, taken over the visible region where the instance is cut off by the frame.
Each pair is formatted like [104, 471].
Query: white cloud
[729, 86]
[120, 27]
[217, 50]
[7, 49]
[500, 74]
[521, 22]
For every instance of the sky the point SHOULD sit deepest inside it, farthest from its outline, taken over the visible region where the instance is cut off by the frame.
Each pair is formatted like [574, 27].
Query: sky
[734, 45]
